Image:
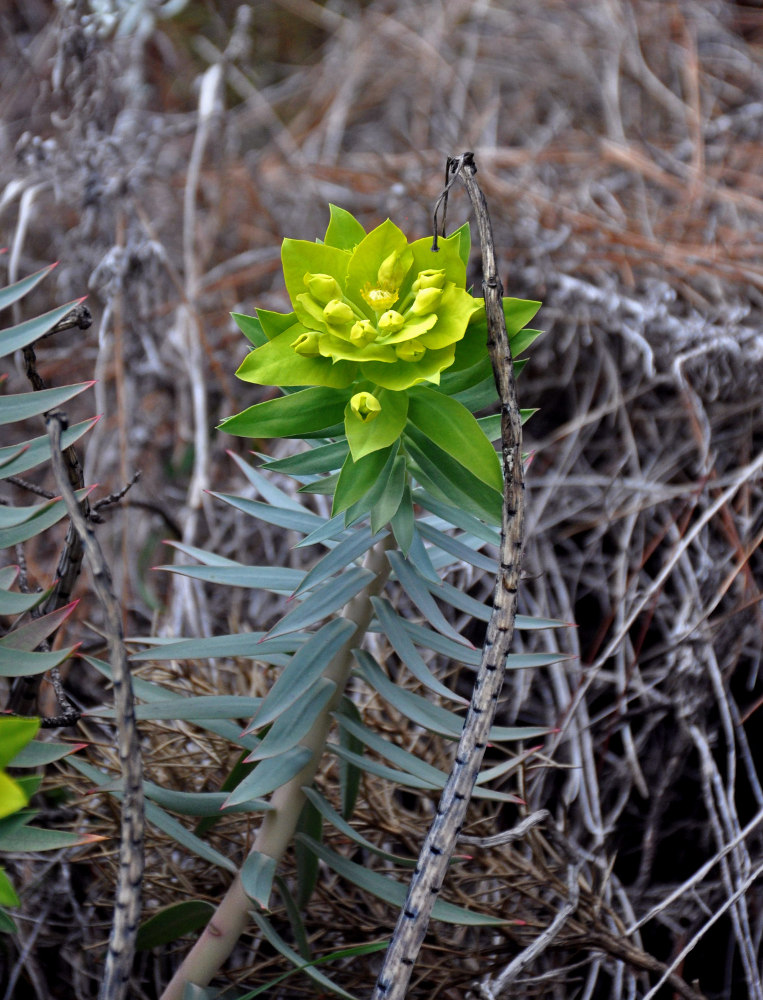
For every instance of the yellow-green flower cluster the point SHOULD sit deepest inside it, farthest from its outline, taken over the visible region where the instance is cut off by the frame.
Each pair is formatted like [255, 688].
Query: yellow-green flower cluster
[372, 311]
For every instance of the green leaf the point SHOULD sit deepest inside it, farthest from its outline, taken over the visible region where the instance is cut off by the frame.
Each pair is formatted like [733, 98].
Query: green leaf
[37, 450]
[45, 517]
[424, 713]
[453, 428]
[305, 668]
[17, 604]
[12, 293]
[295, 520]
[349, 774]
[275, 323]
[8, 895]
[324, 602]
[245, 644]
[388, 503]
[37, 754]
[16, 337]
[464, 549]
[518, 313]
[18, 663]
[402, 523]
[172, 922]
[371, 766]
[444, 476]
[293, 913]
[340, 557]
[367, 436]
[199, 804]
[272, 578]
[311, 409]
[280, 945]
[32, 839]
[195, 709]
[361, 507]
[400, 641]
[161, 819]
[12, 796]
[294, 723]
[269, 775]
[344, 231]
[257, 874]
[394, 892]
[311, 823]
[458, 518]
[24, 405]
[324, 809]
[30, 635]
[437, 643]
[324, 458]
[251, 328]
[418, 588]
[359, 476]
[463, 233]
[15, 734]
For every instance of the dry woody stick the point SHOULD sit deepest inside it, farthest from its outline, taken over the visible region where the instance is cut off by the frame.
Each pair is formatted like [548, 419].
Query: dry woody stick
[124, 928]
[441, 840]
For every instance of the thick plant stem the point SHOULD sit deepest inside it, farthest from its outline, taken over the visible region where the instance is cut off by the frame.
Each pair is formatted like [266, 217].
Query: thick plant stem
[440, 842]
[279, 824]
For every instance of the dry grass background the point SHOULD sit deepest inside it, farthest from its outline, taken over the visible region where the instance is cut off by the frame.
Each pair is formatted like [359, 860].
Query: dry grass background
[619, 146]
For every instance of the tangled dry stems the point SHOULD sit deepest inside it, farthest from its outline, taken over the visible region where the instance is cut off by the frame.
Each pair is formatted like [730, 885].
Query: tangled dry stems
[617, 144]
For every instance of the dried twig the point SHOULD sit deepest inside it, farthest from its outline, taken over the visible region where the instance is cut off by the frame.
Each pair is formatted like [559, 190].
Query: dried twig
[119, 959]
[441, 840]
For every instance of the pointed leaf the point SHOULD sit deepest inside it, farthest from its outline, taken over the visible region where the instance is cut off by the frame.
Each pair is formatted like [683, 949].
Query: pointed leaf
[359, 476]
[24, 405]
[311, 823]
[160, 819]
[251, 328]
[280, 945]
[417, 588]
[305, 668]
[46, 518]
[324, 458]
[12, 293]
[394, 892]
[272, 578]
[295, 520]
[269, 775]
[339, 558]
[172, 922]
[257, 874]
[19, 663]
[30, 635]
[16, 337]
[400, 641]
[294, 723]
[453, 428]
[312, 409]
[344, 231]
[324, 602]
[37, 450]
[327, 811]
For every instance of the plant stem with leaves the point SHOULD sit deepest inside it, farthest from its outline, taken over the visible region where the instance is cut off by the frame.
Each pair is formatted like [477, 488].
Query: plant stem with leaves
[279, 824]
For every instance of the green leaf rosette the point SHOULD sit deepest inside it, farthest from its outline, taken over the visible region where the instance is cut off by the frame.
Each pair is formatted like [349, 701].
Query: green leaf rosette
[375, 320]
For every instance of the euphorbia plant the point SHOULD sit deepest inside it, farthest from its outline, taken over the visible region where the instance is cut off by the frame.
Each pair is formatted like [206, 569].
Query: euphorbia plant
[391, 346]
[382, 362]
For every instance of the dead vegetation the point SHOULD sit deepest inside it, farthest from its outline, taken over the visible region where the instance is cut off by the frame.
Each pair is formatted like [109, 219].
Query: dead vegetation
[619, 146]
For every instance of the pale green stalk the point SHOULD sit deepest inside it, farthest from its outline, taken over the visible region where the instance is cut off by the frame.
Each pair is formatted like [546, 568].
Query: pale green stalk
[275, 835]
